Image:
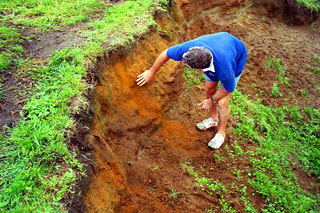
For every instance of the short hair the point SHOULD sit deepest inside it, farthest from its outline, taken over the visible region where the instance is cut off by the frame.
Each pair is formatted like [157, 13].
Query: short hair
[197, 57]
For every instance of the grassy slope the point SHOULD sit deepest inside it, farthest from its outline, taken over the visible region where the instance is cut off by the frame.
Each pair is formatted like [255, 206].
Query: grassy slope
[37, 169]
[285, 139]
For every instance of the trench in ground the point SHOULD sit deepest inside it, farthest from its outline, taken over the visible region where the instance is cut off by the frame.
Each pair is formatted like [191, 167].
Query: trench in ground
[140, 135]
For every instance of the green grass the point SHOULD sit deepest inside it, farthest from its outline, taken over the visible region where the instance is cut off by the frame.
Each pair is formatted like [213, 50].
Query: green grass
[37, 170]
[286, 138]
[48, 14]
[119, 25]
[10, 48]
[36, 157]
[311, 4]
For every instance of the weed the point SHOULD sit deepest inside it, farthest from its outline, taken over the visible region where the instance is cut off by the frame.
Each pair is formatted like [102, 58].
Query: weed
[210, 211]
[276, 63]
[304, 92]
[237, 148]
[155, 168]
[283, 80]
[237, 173]
[318, 90]
[275, 90]
[248, 205]
[269, 62]
[219, 157]
[230, 152]
[261, 92]
[316, 70]
[173, 194]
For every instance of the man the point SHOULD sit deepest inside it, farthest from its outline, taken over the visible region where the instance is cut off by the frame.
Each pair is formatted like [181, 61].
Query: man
[222, 57]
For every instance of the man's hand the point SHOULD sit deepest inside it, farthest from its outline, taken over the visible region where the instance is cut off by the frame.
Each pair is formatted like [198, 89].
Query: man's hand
[205, 105]
[144, 78]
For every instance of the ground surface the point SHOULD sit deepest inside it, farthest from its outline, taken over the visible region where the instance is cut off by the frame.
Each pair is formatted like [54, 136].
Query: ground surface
[141, 135]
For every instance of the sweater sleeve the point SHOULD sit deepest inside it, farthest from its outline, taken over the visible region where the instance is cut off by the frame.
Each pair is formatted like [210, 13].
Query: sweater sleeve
[176, 52]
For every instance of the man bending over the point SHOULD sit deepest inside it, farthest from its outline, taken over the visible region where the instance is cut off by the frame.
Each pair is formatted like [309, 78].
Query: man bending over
[222, 57]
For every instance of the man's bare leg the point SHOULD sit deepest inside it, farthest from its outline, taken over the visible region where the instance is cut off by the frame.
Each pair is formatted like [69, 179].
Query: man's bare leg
[224, 113]
[210, 89]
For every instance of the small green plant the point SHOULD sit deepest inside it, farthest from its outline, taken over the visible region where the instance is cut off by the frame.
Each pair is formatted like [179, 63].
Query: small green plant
[275, 90]
[237, 148]
[317, 59]
[283, 80]
[304, 92]
[237, 173]
[219, 157]
[276, 63]
[155, 168]
[174, 194]
[318, 90]
[269, 62]
[248, 205]
[210, 211]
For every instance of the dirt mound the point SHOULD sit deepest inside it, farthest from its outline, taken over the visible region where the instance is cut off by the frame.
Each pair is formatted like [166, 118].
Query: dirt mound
[140, 135]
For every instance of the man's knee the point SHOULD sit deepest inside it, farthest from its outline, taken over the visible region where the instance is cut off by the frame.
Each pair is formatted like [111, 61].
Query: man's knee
[223, 103]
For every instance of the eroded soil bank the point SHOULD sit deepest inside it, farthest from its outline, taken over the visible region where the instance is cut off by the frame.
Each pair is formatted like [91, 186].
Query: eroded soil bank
[140, 135]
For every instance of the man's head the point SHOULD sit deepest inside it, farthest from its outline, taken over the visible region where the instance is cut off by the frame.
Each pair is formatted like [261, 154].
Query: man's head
[197, 57]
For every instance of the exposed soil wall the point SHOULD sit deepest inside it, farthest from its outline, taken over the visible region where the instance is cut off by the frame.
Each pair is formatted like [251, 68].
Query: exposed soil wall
[295, 14]
[139, 135]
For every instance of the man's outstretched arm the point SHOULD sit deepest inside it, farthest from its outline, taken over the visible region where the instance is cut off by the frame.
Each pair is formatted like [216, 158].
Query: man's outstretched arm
[147, 75]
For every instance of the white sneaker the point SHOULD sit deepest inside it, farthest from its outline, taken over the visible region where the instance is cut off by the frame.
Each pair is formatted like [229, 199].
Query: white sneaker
[217, 141]
[206, 124]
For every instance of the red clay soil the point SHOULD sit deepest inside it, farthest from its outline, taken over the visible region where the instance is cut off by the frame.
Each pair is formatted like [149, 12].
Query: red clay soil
[140, 135]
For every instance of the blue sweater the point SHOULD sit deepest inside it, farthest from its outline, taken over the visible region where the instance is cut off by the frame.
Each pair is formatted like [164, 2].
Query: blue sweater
[229, 54]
